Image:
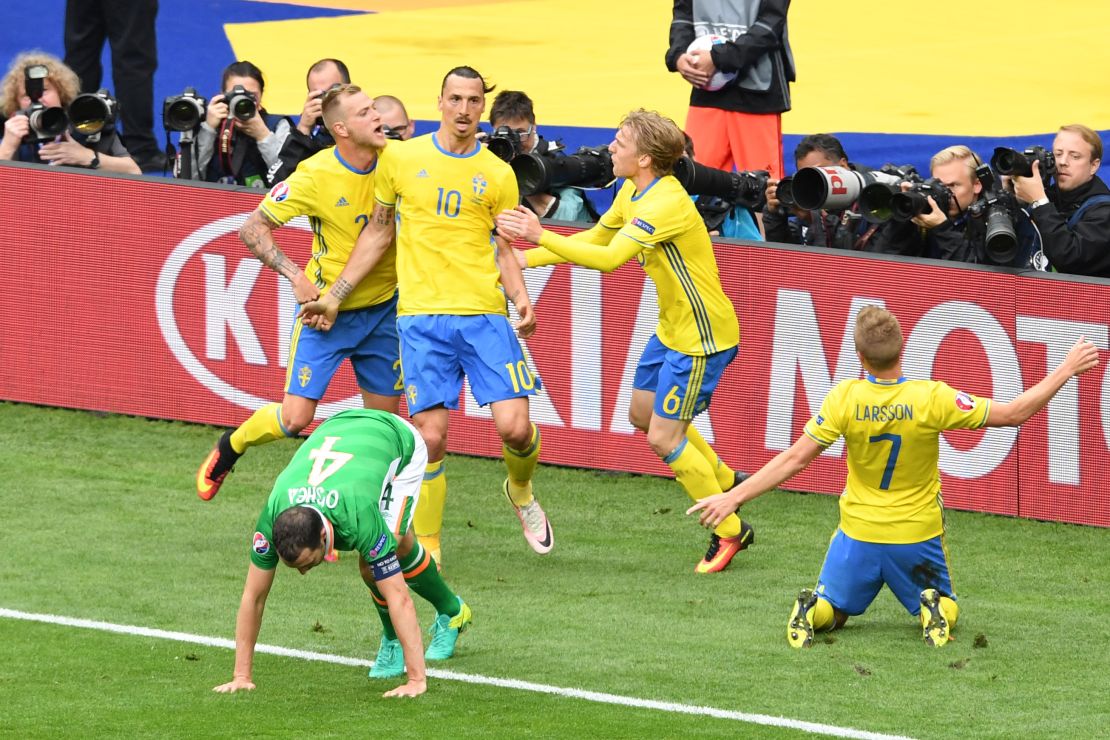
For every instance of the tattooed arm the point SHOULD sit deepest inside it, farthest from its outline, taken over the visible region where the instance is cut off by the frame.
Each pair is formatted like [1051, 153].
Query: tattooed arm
[372, 243]
[258, 234]
[512, 279]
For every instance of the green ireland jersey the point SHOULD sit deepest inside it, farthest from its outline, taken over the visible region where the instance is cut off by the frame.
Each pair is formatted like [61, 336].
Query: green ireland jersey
[344, 470]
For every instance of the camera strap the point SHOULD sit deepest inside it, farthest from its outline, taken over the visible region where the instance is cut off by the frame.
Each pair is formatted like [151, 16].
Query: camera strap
[227, 131]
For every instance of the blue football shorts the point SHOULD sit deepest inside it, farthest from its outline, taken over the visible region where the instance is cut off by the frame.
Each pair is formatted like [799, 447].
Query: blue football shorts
[368, 336]
[683, 384]
[437, 350]
[854, 571]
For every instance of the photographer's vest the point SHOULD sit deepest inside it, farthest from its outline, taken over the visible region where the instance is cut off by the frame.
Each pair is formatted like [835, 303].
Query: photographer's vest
[239, 161]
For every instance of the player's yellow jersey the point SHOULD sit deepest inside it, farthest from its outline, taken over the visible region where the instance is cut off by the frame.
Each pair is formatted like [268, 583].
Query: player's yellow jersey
[337, 198]
[892, 431]
[446, 204]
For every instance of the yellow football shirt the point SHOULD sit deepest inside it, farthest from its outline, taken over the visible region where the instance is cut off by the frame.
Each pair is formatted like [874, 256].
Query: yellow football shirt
[663, 230]
[337, 198]
[892, 431]
[446, 204]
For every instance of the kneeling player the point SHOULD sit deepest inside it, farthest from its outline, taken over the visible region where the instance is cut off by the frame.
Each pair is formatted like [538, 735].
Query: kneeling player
[891, 518]
[353, 485]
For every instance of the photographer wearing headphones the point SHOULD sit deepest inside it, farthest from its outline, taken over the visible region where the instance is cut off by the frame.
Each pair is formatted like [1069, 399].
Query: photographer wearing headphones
[843, 229]
[40, 86]
[513, 110]
[1073, 215]
[238, 140]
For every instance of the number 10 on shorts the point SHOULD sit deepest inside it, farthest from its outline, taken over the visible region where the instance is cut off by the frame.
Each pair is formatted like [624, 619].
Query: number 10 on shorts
[520, 376]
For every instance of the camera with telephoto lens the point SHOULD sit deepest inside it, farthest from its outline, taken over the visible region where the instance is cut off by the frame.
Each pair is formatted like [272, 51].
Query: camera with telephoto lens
[505, 143]
[834, 188]
[241, 105]
[392, 133]
[183, 112]
[736, 188]
[92, 114]
[874, 199]
[915, 201]
[784, 191]
[46, 123]
[1011, 162]
[997, 206]
[589, 167]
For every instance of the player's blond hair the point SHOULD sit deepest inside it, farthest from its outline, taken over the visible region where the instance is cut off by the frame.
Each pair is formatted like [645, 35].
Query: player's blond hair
[329, 104]
[62, 77]
[658, 137]
[1088, 135]
[952, 153]
[878, 337]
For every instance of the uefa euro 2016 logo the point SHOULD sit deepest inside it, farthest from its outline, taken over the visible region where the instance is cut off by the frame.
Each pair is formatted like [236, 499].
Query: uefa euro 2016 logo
[480, 184]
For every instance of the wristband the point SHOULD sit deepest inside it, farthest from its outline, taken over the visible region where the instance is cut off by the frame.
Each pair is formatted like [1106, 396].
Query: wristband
[95, 163]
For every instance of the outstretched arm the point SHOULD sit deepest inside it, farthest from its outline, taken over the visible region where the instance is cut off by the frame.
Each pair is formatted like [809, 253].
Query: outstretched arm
[372, 243]
[1080, 358]
[247, 623]
[403, 615]
[781, 468]
[599, 248]
[258, 234]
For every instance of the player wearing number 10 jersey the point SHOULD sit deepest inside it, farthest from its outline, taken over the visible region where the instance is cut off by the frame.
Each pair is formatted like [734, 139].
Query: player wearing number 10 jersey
[440, 194]
[335, 189]
[891, 514]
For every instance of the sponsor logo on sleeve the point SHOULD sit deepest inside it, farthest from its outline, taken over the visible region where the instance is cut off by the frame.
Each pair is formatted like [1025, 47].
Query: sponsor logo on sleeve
[643, 225]
[279, 192]
[261, 545]
[378, 546]
[964, 402]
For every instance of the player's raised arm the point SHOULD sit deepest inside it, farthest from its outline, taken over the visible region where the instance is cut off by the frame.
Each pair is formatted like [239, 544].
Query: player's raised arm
[600, 248]
[513, 281]
[781, 468]
[258, 234]
[1080, 358]
[247, 623]
[403, 615]
[372, 243]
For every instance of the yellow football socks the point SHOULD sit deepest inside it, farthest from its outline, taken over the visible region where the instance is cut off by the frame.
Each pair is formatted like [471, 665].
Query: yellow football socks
[724, 473]
[521, 464]
[695, 474]
[427, 520]
[263, 426]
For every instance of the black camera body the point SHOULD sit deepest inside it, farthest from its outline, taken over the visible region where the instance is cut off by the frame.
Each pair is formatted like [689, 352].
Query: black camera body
[241, 104]
[589, 167]
[784, 191]
[747, 188]
[915, 201]
[1011, 162]
[94, 114]
[389, 132]
[505, 143]
[997, 207]
[46, 123]
[183, 112]
[874, 199]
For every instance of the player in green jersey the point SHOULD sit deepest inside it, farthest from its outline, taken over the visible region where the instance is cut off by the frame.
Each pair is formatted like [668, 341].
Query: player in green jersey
[353, 485]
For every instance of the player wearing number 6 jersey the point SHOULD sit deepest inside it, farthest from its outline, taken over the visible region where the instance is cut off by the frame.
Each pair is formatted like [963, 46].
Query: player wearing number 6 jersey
[891, 515]
[353, 485]
[654, 220]
[335, 189]
[440, 193]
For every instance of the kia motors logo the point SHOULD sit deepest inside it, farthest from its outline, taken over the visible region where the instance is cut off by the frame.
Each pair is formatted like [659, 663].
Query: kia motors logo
[223, 309]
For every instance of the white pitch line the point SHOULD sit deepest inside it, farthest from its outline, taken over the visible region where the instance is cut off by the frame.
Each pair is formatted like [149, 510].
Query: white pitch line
[505, 683]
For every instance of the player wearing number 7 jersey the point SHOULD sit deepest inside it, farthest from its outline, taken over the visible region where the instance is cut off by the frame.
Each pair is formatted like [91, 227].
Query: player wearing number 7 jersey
[353, 485]
[891, 513]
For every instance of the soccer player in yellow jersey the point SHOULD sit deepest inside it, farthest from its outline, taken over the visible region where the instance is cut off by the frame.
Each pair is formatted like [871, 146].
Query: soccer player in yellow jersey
[334, 188]
[440, 193]
[891, 513]
[654, 220]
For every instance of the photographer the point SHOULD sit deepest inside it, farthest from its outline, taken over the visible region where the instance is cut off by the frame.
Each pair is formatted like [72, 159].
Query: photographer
[956, 232]
[310, 134]
[59, 86]
[513, 109]
[394, 117]
[238, 146]
[1073, 215]
[836, 229]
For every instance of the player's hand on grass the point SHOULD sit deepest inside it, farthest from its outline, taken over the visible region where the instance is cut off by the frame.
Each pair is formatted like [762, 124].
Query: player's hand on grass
[520, 223]
[320, 314]
[236, 684]
[304, 290]
[526, 326]
[714, 509]
[410, 689]
[1081, 357]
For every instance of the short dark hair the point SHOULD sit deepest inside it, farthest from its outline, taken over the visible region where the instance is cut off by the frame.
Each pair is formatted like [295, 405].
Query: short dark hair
[826, 143]
[512, 104]
[295, 530]
[471, 74]
[344, 74]
[242, 68]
